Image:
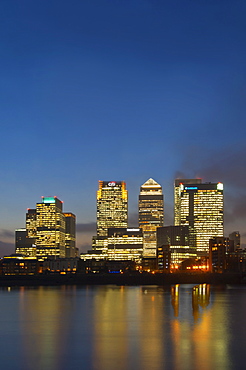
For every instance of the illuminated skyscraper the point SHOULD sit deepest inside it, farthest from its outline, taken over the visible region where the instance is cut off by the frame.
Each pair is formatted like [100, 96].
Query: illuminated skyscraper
[151, 214]
[50, 234]
[200, 206]
[177, 199]
[112, 206]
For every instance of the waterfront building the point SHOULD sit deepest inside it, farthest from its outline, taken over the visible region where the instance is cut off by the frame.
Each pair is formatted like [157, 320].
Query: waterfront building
[125, 244]
[50, 237]
[120, 244]
[217, 254]
[163, 258]
[60, 265]
[175, 241]
[17, 264]
[200, 206]
[151, 214]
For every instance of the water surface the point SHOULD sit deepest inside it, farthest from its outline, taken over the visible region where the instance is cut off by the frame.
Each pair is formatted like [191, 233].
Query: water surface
[108, 327]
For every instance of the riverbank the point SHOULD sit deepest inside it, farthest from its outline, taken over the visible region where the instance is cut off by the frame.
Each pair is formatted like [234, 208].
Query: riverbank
[121, 279]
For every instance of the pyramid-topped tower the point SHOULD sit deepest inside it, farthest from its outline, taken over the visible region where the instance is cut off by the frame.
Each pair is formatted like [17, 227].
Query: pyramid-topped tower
[151, 214]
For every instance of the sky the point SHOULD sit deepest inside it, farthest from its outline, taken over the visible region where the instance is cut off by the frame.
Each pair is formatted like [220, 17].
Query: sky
[119, 90]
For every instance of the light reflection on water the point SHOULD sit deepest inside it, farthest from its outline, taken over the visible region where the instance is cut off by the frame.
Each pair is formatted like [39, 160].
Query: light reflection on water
[109, 327]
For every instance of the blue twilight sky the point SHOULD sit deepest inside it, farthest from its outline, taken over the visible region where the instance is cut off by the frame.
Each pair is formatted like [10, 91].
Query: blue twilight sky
[119, 90]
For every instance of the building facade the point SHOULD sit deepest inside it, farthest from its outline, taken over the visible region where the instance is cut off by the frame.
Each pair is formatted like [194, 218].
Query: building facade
[112, 210]
[217, 254]
[112, 206]
[150, 214]
[177, 199]
[175, 239]
[50, 234]
[70, 230]
[200, 206]
[23, 244]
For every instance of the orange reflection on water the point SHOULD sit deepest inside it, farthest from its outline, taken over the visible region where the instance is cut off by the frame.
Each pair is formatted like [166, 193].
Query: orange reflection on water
[44, 326]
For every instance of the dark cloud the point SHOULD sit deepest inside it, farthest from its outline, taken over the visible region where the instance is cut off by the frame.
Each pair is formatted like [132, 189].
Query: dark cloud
[6, 233]
[225, 165]
[6, 248]
[86, 227]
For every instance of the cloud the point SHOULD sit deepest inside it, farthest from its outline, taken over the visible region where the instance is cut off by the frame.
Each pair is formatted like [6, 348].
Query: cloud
[6, 248]
[6, 233]
[86, 227]
[225, 165]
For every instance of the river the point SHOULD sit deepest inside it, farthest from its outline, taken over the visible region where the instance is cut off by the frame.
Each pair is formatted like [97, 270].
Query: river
[181, 327]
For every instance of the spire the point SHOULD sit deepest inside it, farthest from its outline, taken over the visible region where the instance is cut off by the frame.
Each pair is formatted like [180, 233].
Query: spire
[151, 182]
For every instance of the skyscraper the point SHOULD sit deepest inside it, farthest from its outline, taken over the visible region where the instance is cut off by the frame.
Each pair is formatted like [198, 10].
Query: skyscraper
[70, 222]
[151, 214]
[50, 234]
[112, 206]
[200, 206]
[177, 199]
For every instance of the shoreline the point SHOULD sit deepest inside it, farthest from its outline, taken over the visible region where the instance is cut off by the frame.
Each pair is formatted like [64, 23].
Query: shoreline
[120, 279]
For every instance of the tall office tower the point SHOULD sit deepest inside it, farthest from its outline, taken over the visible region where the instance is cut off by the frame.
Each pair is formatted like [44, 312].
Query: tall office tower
[112, 206]
[150, 214]
[177, 198]
[50, 238]
[200, 206]
[70, 221]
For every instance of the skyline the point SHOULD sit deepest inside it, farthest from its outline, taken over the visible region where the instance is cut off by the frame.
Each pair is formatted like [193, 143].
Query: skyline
[90, 228]
[120, 91]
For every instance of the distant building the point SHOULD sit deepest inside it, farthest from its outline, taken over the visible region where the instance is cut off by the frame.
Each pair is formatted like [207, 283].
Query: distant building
[125, 244]
[175, 241]
[112, 210]
[48, 232]
[120, 244]
[60, 265]
[50, 228]
[217, 254]
[31, 223]
[200, 207]
[23, 244]
[177, 200]
[16, 264]
[163, 258]
[112, 206]
[150, 214]
[70, 230]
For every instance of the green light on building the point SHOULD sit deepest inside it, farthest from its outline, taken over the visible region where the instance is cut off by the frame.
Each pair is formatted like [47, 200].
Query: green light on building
[49, 200]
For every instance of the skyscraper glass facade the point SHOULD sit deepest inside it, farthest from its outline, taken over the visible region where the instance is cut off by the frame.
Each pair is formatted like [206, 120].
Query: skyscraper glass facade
[201, 207]
[151, 214]
[112, 206]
